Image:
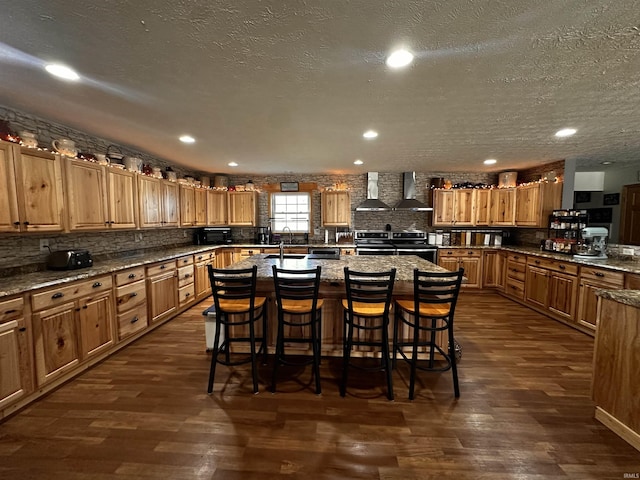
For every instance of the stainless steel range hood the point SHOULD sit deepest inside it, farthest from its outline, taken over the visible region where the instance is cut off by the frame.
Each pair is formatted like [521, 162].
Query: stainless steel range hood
[409, 201]
[372, 204]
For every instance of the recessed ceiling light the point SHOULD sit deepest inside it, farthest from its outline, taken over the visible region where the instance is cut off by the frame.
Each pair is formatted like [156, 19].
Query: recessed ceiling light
[370, 134]
[490, 161]
[566, 132]
[232, 164]
[62, 71]
[358, 162]
[607, 162]
[187, 139]
[399, 58]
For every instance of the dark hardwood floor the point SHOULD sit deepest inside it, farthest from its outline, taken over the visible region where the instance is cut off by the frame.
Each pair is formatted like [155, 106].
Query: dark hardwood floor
[524, 413]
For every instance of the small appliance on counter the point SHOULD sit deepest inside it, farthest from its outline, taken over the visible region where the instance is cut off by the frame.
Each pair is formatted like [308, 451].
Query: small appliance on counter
[263, 234]
[213, 236]
[593, 245]
[69, 260]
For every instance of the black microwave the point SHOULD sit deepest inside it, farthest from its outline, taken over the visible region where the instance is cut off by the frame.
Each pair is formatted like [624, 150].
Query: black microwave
[213, 236]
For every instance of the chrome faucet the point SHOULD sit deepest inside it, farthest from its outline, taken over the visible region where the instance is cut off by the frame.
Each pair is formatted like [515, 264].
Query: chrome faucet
[281, 250]
[290, 234]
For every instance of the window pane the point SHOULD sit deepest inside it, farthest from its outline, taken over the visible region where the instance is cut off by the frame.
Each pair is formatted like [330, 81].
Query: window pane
[292, 210]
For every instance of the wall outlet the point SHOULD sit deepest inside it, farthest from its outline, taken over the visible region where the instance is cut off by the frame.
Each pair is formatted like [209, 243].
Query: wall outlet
[540, 235]
[184, 233]
[137, 237]
[44, 245]
[628, 251]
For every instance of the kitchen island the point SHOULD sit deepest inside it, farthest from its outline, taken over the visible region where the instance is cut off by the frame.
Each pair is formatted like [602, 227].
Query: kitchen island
[332, 290]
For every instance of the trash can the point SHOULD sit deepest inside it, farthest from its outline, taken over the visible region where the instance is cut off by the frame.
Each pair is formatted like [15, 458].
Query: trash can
[210, 327]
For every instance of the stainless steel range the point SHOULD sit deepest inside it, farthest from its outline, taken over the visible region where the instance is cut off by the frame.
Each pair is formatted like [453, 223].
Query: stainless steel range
[380, 242]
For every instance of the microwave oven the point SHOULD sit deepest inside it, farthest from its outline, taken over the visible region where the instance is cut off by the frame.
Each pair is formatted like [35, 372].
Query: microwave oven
[213, 236]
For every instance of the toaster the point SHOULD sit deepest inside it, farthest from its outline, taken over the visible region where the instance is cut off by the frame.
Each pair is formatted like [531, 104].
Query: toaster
[69, 260]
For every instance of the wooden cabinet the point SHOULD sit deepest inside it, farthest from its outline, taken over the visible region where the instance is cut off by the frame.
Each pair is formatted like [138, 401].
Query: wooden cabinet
[16, 377]
[242, 208]
[537, 286]
[591, 280]
[9, 220]
[515, 275]
[336, 209]
[224, 257]
[503, 207]
[348, 251]
[493, 269]
[482, 210]
[71, 324]
[535, 202]
[162, 290]
[186, 280]
[98, 197]
[158, 202]
[563, 295]
[193, 206]
[632, 281]
[469, 259]
[202, 283]
[216, 207]
[454, 207]
[131, 302]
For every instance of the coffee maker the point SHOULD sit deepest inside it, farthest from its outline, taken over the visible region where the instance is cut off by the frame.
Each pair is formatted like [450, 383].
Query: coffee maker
[593, 244]
[263, 235]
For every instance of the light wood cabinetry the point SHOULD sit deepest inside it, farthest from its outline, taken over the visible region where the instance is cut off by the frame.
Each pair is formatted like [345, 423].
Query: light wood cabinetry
[242, 209]
[516, 275]
[348, 251]
[193, 206]
[503, 207]
[537, 287]
[552, 285]
[535, 202]
[16, 376]
[336, 209]
[71, 324]
[469, 259]
[186, 280]
[121, 199]
[9, 220]
[158, 202]
[454, 207]
[493, 269]
[216, 207]
[131, 302]
[632, 281]
[202, 283]
[592, 279]
[162, 290]
[482, 210]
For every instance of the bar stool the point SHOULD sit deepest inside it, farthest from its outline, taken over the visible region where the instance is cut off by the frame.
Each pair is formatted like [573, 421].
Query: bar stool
[366, 312]
[300, 310]
[237, 308]
[431, 310]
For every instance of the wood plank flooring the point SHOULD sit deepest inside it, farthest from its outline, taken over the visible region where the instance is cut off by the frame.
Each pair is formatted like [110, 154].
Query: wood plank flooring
[524, 413]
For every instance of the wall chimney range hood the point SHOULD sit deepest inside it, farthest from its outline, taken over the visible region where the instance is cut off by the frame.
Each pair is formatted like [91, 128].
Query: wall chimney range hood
[372, 204]
[409, 201]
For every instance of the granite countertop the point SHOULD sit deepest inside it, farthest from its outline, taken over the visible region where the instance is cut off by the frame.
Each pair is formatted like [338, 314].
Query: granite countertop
[627, 297]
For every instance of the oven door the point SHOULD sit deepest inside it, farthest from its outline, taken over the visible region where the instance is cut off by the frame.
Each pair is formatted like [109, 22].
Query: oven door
[429, 254]
[375, 250]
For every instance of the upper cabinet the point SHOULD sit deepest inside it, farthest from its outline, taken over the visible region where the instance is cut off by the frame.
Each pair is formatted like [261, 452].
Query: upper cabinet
[158, 202]
[87, 195]
[336, 209]
[454, 207]
[32, 190]
[242, 209]
[503, 207]
[193, 206]
[216, 207]
[535, 202]
[121, 199]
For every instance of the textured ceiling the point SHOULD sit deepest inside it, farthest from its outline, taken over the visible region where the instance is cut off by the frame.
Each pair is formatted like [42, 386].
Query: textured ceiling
[290, 86]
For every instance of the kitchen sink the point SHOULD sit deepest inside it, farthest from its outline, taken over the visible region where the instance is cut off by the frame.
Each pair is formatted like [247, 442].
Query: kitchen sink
[288, 256]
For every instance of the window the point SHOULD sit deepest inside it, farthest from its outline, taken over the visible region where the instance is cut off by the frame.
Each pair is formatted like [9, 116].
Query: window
[292, 210]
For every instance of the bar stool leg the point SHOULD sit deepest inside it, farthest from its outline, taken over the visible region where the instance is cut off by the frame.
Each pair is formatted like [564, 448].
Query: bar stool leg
[454, 366]
[279, 353]
[345, 359]
[315, 342]
[214, 353]
[387, 362]
[254, 372]
[414, 358]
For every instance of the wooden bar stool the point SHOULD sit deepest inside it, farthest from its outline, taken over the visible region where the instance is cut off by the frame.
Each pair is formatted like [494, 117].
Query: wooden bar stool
[299, 310]
[366, 312]
[237, 308]
[430, 311]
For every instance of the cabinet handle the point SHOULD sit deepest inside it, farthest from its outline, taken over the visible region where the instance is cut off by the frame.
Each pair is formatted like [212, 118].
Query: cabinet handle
[17, 224]
[598, 274]
[134, 319]
[7, 312]
[132, 275]
[26, 223]
[22, 329]
[187, 294]
[470, 252]
[134, 294]
[84, 307]
[537, 262]
[97, 284]
[187, 275]
[162, 267]
[449, 253]
[57, 295]
[185, 261]
[200, 257]
[561, 267]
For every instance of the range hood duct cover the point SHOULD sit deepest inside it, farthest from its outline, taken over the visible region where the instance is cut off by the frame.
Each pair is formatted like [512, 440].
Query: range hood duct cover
[372, 204]
[409, 201]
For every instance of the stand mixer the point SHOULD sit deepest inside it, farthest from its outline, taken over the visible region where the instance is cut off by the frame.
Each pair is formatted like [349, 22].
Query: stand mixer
[593, 245]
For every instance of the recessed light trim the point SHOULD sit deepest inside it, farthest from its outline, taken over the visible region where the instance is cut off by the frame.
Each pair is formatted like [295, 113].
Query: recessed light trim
[607, 162]
[399, 58]
[232, 164]
[490, 161]
[62, 71]
[358, 162]
[565, 132]
[369, 134]
[187, 139]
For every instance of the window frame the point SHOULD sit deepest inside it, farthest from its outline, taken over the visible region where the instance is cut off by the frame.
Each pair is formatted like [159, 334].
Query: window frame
[272, 214]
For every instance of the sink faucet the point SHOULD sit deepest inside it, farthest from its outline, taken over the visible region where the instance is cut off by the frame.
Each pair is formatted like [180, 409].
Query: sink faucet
[281, 250]
[290, 234]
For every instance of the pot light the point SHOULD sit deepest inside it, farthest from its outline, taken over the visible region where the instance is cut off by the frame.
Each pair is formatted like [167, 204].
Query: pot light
[187, 139]
[358, 162]
[490, 161]
[607, 162]
[399, 58]
[232, 164]
[62, 71]
[566, 132]
[370, 134]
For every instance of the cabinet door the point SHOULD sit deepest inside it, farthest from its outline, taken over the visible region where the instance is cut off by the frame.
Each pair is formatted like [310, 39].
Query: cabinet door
[588, 307]
[443, 203]
[450, 263]
[563, 292]
[121, 199]
[15, 372]
[483, 207]
[39, 191]
[163, 295]
[170, 204]
[336, 209]
[242, 208]
[216, 207]
[150, 201]
[472, 271]
[527, 205]
[503, 207]
[56, 344]
[202, 283]
[96, 324]
[201, 207]
[493, 266]
[537, 286]
[9, 221]
[464, 207]
[86, 196]
[187, 206]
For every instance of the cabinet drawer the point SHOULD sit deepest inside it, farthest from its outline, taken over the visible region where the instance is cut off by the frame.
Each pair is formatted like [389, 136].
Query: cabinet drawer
[555, 265]
[132, 321]
[515, 288]
[58, 296]
[11, 309]
[204, 257]
[517, 258]
[248, 252]
[185, 276]
[161, 268]
[186, 294]
[129, 276]
[599, 275]
[186, 260]
[632, 282]
[516, 270]
[130, 296]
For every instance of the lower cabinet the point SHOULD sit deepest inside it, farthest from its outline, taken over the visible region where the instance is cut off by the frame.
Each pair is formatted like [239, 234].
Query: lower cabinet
[201, 273]
[493, 269]
[186, 284]
[162, 289]
[469, 259]
[131, 302]
[515, 276]
[591, 280]
[552, 286]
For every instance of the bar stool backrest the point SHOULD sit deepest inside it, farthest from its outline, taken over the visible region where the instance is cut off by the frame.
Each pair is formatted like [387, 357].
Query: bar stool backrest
[438, 289]
[234, 291]
[297, 285]
[369, 288]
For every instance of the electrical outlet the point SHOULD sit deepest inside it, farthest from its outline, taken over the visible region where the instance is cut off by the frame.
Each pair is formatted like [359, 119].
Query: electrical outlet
[628, 251]
[137, 237]
[184, 233]
[44, 245]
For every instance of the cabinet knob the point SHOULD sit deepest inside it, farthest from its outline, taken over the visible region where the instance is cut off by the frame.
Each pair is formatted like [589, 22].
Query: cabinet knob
[598, 274]
[134, 319]
[22, 329]
[26, 223]
[132, 275]
[17, 224]
[162, 267]
[537, 262]
[57, 295]
[187, 294]
[134, 294]
[561, 267]
[84, 307]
